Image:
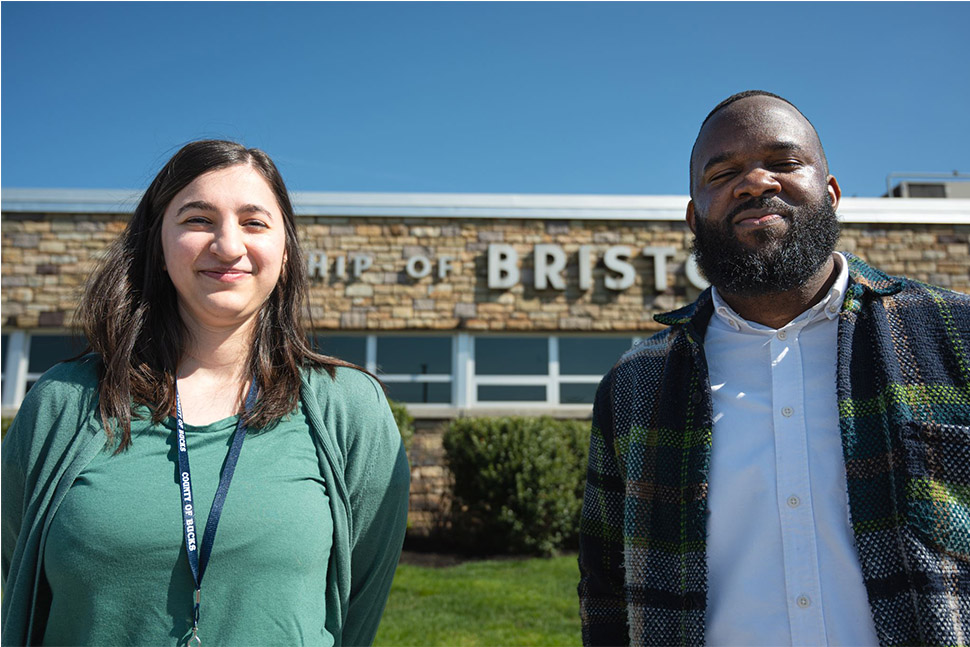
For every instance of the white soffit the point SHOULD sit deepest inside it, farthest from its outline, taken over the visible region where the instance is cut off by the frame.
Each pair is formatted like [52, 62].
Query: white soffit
[490, 206]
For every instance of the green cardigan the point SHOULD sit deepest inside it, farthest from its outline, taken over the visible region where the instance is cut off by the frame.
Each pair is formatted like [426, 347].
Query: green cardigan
[58, 431]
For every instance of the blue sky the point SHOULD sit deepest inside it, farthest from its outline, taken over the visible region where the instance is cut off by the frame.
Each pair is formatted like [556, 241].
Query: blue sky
[472, 97]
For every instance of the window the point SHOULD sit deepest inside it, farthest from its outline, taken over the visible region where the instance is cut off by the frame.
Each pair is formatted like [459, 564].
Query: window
[349, 349]
[511, 355]
[415, 369]
[414, 355]
[47, 350]
[590, 355]
[460, 370]
[491, 370]
[542, 370]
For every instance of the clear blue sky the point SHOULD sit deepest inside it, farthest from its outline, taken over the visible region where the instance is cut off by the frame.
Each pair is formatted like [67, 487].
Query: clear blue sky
[472, 97]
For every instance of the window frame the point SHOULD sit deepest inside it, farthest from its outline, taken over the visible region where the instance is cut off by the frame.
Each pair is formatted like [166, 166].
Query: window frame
[463, 379]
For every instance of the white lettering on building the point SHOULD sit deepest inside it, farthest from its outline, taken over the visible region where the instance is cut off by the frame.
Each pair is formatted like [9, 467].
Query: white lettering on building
[550, 261]
[503, 266]
[418, 267]
[503, 271]
[616, 260]
[318, 265]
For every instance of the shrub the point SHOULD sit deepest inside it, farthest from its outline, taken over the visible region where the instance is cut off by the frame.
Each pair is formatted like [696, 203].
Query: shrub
[518, 483]
[404, 420]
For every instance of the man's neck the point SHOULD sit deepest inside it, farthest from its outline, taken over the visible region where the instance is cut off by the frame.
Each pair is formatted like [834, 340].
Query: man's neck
[777, 309]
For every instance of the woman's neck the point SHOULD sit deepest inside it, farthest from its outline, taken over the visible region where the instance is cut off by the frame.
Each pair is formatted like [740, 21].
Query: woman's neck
[213, 373]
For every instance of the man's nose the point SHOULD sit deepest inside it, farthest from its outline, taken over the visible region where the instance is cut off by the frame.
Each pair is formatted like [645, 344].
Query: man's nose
[757, 182]
[228, 242]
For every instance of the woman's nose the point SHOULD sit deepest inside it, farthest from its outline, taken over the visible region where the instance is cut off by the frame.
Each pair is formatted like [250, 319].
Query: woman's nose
[228, 242]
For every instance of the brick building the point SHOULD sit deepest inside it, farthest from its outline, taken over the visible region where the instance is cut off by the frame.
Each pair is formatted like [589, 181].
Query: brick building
[463, 304]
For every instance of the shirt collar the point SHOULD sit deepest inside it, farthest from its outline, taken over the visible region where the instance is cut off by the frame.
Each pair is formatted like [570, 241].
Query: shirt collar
[828, 307]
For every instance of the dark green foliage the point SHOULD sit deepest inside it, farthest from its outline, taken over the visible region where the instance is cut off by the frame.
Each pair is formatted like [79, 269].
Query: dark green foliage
[518, 483]
[6, 423]
[404, 420]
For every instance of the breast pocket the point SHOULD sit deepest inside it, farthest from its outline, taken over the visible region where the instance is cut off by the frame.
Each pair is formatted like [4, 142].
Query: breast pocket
[938, 485]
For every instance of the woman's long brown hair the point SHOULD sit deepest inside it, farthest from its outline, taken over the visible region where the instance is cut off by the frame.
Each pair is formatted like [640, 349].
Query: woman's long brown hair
[129, 311]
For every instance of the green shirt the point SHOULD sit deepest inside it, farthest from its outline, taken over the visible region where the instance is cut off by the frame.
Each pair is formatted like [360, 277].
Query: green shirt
[57, 435]
[117, 537]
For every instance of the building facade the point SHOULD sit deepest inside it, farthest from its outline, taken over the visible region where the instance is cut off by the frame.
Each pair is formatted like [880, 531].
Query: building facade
[463, 304]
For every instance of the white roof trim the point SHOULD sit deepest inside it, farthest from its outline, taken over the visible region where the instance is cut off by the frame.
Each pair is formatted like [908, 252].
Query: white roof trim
[490, 206]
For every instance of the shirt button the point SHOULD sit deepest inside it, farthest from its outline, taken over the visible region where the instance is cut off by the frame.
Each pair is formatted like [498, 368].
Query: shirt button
[794, 501]
[782, 334]
[833, 309]
[803, 601]
[787, 411]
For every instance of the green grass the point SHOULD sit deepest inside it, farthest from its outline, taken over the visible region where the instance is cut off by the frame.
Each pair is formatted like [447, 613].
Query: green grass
[484, 604]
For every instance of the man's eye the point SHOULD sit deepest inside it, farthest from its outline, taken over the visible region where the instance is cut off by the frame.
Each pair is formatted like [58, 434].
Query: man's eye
[720, 175]
[787, 165]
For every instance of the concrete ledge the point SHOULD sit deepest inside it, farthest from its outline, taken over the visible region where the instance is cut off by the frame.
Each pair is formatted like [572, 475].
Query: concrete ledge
[563, 412]
[488, 206]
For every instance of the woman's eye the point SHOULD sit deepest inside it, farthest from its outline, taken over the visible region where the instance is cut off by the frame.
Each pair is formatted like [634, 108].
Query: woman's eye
[258, 224]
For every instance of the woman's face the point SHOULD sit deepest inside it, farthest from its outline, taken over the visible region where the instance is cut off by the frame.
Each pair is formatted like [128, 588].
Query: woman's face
[224, 243]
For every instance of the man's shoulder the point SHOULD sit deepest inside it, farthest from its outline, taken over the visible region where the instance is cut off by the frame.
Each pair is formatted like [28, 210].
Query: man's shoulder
[919, 291]
[900, 288]
[656, 345]
[648, 356]
[643, 364]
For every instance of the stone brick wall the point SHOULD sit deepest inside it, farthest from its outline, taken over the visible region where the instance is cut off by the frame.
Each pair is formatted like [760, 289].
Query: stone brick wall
[430, 479]
[46, 258]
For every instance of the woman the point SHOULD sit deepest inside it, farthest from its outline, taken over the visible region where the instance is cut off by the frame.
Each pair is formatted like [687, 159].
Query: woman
[194, 320]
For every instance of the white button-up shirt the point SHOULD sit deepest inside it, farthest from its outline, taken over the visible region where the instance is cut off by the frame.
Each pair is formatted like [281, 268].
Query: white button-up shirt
[783, 565]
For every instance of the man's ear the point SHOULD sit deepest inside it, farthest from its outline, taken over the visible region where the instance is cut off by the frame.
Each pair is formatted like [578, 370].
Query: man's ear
[690, 214]
[834, 191]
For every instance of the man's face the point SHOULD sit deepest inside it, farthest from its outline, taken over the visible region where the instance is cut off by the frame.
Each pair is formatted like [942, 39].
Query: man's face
[763, 206]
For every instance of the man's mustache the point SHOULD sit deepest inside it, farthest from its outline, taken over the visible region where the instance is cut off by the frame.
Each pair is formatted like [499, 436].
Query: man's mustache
[763, 202]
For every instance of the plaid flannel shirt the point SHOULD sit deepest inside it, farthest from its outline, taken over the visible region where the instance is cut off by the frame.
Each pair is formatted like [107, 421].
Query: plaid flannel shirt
[904, 416]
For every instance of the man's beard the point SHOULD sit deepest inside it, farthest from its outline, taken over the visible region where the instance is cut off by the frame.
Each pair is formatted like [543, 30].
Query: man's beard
[779, 262]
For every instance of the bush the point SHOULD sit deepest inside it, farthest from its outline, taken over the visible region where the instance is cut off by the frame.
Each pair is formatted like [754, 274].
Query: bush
[518, 483]
[404, 420]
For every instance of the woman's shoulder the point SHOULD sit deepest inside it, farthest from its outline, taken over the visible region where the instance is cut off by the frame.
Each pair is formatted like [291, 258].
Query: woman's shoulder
[347, 382]
[61, 401]
[346, 403]
[67, 380]
[81, 373]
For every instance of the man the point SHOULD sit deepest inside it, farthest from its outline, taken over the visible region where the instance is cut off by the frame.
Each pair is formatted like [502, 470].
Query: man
[789, 461]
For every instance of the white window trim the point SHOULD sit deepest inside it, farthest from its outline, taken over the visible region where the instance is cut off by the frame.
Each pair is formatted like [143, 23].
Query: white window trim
[15, 374]
[464, 382]
[551, 380]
